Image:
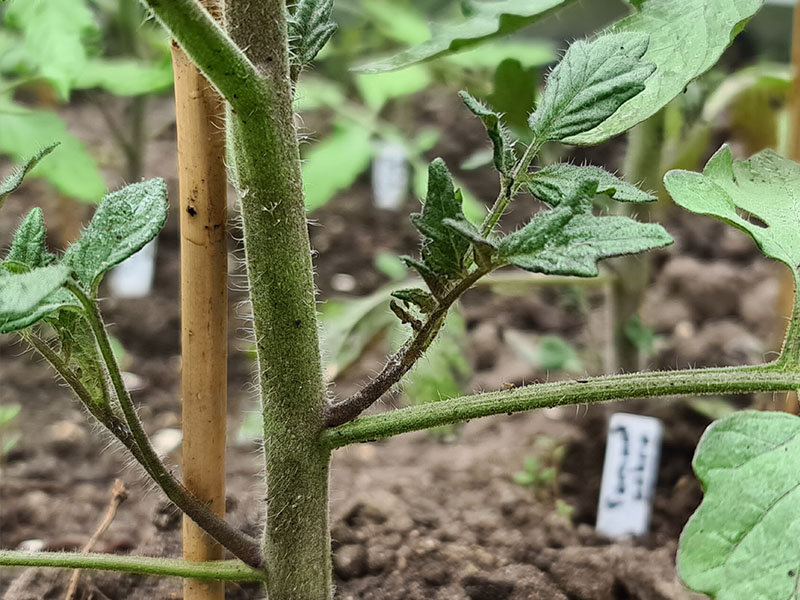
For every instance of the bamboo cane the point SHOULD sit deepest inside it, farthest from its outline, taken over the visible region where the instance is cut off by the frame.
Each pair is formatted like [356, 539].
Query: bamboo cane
[203, 214]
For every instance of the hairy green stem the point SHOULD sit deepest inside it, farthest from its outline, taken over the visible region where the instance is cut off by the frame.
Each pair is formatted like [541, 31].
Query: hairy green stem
[296, 542]
[226, 570]
[216, 55]
[790, 352]
[509, 188]
[235, 541]
[730, 380]
[101, 412]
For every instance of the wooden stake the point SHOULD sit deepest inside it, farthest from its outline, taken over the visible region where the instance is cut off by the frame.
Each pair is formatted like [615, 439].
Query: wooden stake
[204, 309]
[787, 291]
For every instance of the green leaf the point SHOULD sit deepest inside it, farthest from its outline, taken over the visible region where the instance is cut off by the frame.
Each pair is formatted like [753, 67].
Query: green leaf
[310, 28]
[124, 222]
[79, 349]
[25, 298]
[687, 38]
[503, 156]
[14, 180]
[488, 20]
[744, 540]
[569, 240]
[125, 77]
[554, 183]
[764, 187]
[514, 94]
[417, 297]
[71, 169]
[349, 326]
[334, 164]
[556, 353]
[444, 369]
[590, 83]
[28, 247]
[54, 35]
[443, 249]
[397, 21]
[529, 53]
[377, 90]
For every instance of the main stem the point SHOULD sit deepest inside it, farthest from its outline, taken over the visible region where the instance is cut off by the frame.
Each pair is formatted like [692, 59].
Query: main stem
[296, 543]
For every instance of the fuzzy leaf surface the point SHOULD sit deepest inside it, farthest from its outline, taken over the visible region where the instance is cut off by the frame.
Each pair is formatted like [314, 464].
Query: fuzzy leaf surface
[442, 249]
[310, 28]
[744, 540]
[124, 222]
[25, 298]
[570, 240]
[502, 144]
[554, 183]
[28, 246]
[487, 20]
[590, 83]
[9, 184]
[687, 38]
[766, 186]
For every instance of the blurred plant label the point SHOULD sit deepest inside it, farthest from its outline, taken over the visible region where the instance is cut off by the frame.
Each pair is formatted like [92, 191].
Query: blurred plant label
[630, 472]
[390, 176]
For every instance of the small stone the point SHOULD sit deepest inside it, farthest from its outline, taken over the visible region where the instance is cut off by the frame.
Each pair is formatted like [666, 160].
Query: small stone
[350, 561]
[484, 587]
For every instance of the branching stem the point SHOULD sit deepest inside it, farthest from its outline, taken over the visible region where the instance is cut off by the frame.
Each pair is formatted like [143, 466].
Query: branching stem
[224, 570]
[236, 542]
[225, 65]
[403, 360]
[509, 187]
[729, 380]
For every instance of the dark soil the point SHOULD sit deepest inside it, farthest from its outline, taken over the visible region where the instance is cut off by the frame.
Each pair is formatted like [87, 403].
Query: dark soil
[412, 517]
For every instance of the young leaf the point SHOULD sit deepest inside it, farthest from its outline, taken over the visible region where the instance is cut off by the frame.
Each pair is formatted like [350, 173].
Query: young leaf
[569, 240]
[744, 540]
[444, 369]
[79, 349]
[124, 222]
[71, 170]
[25, 298]
[514, 93]
[28, 247]
[443, 249]
[764, 186]
[310, 28]
[487, 20]
[54, 35]
[13, 181]
[590, 83]
[348, 327]
[687, 38]
[418, 297]
[503, 157]
[554, 183]
[125, 77]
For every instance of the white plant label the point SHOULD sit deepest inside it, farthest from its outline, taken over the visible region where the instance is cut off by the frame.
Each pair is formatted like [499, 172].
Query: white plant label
[630, 472]
[390, 176]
